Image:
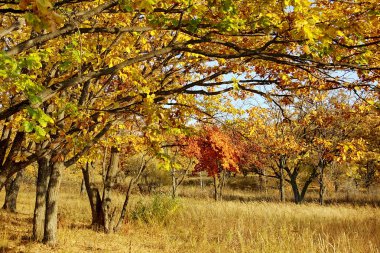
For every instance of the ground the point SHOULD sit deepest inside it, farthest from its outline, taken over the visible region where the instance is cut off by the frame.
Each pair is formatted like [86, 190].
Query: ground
[201, 225]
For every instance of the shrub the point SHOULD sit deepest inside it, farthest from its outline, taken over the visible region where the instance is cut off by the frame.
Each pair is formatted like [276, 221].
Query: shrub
[157, 211]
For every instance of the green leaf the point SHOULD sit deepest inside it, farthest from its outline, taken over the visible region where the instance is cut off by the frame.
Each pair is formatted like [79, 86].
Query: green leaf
[33, 112]
[28, 127]
[126, 5]
[46, 118]
[40, 131]
[193, 24]
[34, 99]
[42, 122]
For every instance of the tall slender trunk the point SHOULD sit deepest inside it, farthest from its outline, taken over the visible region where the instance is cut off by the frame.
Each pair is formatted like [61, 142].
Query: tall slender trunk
[222, 183]
[132, 183]
[282, 185]
[215, 188]
[219, 183]
[52, 198]
[265, 181]
[125, 205]
[201, 179]
[11, 192]
[178, 180]
[94, 198]
[40, 203]
[322, 187]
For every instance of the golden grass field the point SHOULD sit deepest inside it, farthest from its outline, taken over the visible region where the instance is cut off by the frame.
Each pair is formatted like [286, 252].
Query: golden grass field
[202, 225]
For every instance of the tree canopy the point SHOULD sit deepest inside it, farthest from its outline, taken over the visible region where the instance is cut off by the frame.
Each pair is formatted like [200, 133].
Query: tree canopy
[78, 73]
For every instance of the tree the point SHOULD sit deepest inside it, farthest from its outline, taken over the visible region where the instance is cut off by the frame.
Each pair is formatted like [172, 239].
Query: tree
[298, 142]
[366, 165]
[11, 192]
[178, 171]
[75, 68]
[215, 154]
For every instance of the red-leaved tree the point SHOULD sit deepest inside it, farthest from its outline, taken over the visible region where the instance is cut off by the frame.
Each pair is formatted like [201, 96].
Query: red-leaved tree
[216, 154]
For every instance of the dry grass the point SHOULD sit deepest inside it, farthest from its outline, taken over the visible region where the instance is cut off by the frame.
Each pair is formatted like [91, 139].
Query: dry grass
[201, 225]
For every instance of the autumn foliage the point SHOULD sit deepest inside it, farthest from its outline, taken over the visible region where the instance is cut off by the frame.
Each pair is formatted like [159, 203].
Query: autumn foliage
[82, 77]
[214, 150]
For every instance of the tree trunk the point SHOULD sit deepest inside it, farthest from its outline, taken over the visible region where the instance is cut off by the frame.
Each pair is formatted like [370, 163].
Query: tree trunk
[40, 203]
[94, 199]
[11, 192]
[109, 182]
[215, 188]
[7, 168]
[370, 174]
[52, 198]
[132, 183]
[300, 196]
[125, 205]
[282, 185]
[322, 187]
[296, 193]
[222, 182]
[177, 181]
[201, 179]
[265, 181]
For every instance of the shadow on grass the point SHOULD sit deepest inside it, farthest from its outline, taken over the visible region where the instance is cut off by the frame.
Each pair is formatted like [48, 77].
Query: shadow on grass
[17, 230]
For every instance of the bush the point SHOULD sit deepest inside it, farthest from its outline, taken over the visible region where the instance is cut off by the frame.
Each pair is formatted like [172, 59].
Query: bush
[159, 210]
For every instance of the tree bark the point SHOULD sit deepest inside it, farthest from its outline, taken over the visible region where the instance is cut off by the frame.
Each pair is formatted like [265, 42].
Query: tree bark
[52, 197]
[125, 205]
[299, 195]
[265, 181]
[222, 183]
[201, 179]
[370, 174]
[132, 183]
[219, 183]
[296, 193]
[40, 203]
[215, 188]
[109, 183]
[322, 187]
[177, 181]
[11, 192]
[94, 199]
[7, 151]
[282, 186]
